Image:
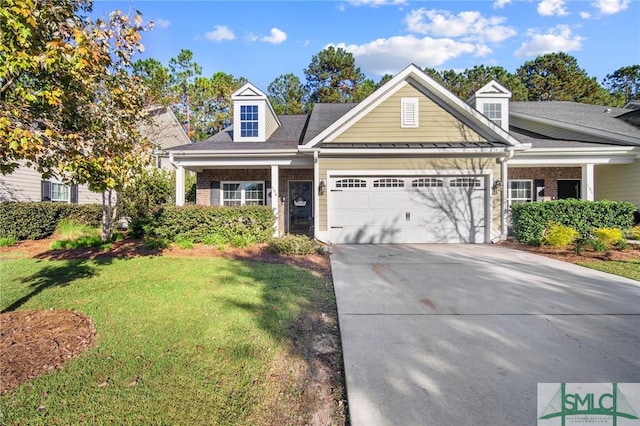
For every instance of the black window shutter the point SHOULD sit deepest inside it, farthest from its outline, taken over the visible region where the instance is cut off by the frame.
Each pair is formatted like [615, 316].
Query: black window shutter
[74, 194]
[267, 191]
[215, 193]
[539, 188]
[46, 190]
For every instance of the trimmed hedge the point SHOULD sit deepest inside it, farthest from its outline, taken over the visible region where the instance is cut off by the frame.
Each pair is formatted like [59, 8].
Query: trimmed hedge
[531, 219]
[37, 220]
[199, 223]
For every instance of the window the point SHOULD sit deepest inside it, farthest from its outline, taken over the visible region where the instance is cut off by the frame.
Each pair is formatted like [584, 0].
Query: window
[426, 183]
[60, 192]
[520, 191]
[493, 113]
[351, 183]
[409, 114]
[464, 182]
[388, 183]
[242, 193]
[249, 121]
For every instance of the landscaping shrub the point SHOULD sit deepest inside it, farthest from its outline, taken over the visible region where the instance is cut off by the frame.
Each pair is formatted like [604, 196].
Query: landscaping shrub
[559, 236]
[609, 236]
[634, 233]
[8, 241]
[294, 245]
[233, 225]
[37, 220]
[530, 219]
[183, 242]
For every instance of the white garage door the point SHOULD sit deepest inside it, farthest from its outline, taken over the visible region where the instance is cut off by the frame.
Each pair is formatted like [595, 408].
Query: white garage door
[407, 209]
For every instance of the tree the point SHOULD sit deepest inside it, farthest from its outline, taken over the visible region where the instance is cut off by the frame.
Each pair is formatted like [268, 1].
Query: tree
[624, 81]
[69, 106]
[332, 76]
[286, 95]
[183, 74]
[157, 80]
[557, 77]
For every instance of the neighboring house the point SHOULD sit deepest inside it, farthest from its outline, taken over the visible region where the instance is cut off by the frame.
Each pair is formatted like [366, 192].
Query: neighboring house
[412, 163]
[26, 184]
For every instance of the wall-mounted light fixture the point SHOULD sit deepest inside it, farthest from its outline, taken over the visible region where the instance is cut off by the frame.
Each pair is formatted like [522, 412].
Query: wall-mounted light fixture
[497, 186]
[322, 187]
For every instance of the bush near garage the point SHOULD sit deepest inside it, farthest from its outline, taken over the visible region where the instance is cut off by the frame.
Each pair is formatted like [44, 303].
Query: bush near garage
[294, 245]
[531, 219]
[238, 226]
[37, 220]
[559, 236]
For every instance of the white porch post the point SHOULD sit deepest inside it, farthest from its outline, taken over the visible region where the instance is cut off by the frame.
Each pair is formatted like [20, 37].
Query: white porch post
[587, 186]
[275, 198]
[179, 186]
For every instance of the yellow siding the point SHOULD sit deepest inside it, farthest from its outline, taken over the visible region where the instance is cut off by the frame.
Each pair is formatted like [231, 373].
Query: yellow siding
[383, 123]
[619, 182]
[410, 166]
[270, 122]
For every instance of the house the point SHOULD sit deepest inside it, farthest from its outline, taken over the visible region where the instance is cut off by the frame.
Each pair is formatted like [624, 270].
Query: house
[412, 163]
[26, 183]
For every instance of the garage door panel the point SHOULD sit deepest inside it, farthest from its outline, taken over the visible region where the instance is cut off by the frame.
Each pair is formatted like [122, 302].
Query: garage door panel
[450, 213]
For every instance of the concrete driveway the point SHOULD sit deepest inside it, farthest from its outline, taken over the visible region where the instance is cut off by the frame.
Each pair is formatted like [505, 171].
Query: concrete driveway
[462, 334]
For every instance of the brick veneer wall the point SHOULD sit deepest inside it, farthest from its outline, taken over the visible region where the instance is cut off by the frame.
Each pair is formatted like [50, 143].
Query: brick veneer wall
[551, 175]
[203, 185]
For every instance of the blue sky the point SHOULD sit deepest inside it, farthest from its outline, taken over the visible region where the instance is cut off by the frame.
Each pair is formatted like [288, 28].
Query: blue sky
[261, 40]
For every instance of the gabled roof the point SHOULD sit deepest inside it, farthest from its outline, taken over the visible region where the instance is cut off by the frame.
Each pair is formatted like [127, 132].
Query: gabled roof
[576, 121]
[164, 131]
[251, 92]
[492, 89]
[324, 115]
[415, 76]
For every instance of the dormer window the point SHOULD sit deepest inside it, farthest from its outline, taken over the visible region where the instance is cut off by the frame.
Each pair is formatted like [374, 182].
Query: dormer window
[249, 121]
[493, 111]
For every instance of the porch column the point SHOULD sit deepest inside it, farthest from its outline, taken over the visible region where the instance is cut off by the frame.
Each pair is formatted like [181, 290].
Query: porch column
[179, 186]
[275, 198]
[587, 186]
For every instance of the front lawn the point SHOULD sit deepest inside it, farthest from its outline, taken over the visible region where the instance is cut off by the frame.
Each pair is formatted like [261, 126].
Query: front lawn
[625, 268]
[197, 341]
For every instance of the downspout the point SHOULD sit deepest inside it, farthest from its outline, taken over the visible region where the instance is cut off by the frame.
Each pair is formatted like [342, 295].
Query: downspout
[316, 195]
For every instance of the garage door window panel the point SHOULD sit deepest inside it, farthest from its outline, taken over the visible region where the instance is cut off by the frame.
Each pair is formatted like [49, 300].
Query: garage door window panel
[464, 182]
[351, 183]
[426, 183]
[388, 183]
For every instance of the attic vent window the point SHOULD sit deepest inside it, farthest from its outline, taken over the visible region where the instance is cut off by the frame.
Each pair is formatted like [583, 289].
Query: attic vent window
[409, 114]
[249, 121]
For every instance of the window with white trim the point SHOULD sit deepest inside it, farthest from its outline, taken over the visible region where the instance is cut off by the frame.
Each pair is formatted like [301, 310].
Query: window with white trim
[493, 111]
[249, 121]
[464, 182]
[60, 192]
[388, 183]
[426, 183]
[242, 193]
[409, 113]
[520, 191]
[351, 183]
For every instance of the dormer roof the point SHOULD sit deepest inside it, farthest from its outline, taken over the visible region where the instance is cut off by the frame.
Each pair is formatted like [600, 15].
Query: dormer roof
[492, 89]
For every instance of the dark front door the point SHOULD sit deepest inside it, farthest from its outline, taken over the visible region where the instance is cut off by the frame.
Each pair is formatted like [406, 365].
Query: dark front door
[300, 207]
[568, 189]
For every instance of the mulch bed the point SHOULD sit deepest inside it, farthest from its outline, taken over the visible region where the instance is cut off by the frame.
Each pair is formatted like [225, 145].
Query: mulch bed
[34, 342]
[569, 255]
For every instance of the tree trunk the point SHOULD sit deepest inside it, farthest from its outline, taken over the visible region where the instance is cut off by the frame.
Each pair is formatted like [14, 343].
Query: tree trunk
[109, 213]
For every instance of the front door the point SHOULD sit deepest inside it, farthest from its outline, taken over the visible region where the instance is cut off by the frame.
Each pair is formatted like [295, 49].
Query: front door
[569, 188]
[300, 207]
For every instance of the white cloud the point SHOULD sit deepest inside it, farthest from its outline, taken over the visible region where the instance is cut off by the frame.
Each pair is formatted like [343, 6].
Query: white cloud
[469, 25]
[609, 7]
[499, 4]
[276, 36]
[552, 8]
[220, 33]
[376, 3]
[391, 55]
[558, 39]
[585, 15]
[162, 23]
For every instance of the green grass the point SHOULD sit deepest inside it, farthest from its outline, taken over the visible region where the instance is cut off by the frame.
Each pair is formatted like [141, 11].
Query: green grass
[624, 268]
[207, 340]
